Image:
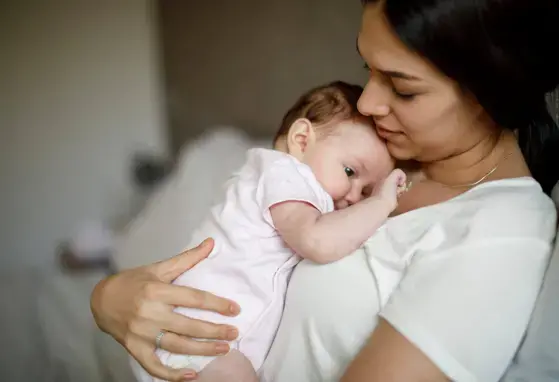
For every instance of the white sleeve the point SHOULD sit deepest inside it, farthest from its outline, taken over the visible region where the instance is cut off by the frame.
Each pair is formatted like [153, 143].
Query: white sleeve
[538, 357]
[286, 180]
[466, 304]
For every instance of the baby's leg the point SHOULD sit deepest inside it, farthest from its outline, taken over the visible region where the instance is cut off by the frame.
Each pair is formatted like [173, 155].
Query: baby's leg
[233, 367]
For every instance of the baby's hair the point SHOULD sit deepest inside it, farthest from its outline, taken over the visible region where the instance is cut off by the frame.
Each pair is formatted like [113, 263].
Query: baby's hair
[333, 102]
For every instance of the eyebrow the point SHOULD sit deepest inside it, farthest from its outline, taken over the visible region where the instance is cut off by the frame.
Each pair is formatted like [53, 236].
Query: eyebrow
[390, 73]
[399, 75]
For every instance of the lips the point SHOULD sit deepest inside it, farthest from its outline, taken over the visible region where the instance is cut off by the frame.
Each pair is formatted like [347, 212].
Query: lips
[386, 133]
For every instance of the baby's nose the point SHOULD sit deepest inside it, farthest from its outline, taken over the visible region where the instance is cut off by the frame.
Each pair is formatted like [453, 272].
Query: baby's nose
[340, 204]
[353, 197]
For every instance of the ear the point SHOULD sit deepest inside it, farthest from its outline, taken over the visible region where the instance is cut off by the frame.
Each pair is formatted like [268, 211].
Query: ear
[300, 137]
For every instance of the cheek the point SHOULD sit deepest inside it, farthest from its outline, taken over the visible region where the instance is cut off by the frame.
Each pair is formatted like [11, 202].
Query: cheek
[329, 173]
[416, 119]
[428, 126]
[385, 170]
[406, 145]
[336, 183]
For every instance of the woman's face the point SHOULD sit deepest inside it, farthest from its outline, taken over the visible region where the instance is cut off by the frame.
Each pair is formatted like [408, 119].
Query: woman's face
[421, 113]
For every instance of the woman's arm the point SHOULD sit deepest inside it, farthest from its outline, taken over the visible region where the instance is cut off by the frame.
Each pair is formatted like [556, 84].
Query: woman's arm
[136, 305]
[389, 357]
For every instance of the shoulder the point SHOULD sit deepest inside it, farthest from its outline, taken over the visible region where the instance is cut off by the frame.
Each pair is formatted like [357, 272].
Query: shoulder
[276, 168]
[511, 207]
[507, 191]
[268, 161]
[281, 177]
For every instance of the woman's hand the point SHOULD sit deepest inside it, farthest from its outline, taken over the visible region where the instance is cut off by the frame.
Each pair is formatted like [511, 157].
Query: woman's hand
[136, 305]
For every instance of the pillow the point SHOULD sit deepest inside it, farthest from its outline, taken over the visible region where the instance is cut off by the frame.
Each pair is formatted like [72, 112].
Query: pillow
[164, 227]
[538, 357]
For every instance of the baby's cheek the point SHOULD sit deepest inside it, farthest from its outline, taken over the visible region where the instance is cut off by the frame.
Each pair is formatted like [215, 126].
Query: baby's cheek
[338, 187]
[387, 167]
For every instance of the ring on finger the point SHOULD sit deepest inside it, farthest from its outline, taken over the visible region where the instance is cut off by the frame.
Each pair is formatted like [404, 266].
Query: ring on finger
[158, 339]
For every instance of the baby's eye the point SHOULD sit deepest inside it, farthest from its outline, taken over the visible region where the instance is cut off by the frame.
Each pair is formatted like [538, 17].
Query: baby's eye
[349, 172]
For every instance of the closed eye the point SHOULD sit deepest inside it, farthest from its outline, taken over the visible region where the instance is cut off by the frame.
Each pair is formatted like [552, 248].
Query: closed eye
[390, 75]
[404, 96]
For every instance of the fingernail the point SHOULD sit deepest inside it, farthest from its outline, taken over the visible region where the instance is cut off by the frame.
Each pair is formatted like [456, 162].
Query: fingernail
[232, 333]
[222, 348]
[234, 309]
[189, 375]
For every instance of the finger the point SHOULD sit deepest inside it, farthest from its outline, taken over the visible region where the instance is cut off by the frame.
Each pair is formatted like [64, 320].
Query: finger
[397, 175]
[197, 299]
[148, 359]
[156, 316]
[153, 366]
[185, 345]
[190, 327]
[178, 340]
[146, 330]
[401, 177]
[170, 269]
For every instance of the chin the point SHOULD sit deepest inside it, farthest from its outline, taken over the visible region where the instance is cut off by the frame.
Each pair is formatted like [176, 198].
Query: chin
[400, 153]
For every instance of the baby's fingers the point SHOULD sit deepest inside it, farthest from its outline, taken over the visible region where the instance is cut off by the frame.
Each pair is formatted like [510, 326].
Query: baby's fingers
[398, 176]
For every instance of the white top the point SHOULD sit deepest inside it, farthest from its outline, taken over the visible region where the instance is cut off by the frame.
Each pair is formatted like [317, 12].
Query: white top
[458, 279]
[538, 358]
[250, 263]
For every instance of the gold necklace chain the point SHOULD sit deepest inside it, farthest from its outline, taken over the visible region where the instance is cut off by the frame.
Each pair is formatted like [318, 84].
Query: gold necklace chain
[410, 183]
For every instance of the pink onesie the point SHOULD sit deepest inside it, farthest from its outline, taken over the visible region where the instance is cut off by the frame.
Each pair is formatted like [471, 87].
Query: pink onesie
[250, 263]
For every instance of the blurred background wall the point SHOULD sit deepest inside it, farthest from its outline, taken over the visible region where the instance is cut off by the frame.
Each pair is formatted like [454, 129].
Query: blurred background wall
[245, 62]
[80, 92]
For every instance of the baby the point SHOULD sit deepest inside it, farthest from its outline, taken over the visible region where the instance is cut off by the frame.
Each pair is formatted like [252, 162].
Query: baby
[327, 187]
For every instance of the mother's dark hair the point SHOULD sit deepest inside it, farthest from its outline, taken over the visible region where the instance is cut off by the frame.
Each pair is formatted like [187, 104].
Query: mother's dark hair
[501, 52]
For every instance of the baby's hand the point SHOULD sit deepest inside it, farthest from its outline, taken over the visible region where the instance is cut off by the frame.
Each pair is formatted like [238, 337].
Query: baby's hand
[390, 188]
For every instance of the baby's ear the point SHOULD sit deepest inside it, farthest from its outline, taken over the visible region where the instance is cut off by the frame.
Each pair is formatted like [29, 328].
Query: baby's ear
[301, 135]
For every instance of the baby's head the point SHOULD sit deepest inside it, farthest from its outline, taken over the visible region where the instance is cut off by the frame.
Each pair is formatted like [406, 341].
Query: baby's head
[325, 130]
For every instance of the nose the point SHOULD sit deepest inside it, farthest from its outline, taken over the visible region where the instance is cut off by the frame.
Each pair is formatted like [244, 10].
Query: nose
[354, 196]
[375, 99]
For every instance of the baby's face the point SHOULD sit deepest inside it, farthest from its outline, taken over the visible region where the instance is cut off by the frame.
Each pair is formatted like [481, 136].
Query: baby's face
[349, 161]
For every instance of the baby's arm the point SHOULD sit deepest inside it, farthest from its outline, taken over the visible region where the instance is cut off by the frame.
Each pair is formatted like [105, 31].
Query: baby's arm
[324, 238]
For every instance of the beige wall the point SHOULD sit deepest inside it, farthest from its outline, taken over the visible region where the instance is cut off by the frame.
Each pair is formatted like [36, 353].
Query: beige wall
[244, 62]
[79, 92]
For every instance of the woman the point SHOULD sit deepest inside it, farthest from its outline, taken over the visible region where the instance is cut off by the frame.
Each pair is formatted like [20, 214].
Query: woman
[445, 290]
